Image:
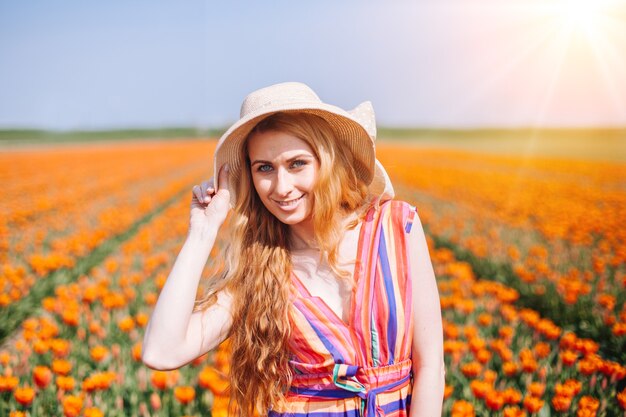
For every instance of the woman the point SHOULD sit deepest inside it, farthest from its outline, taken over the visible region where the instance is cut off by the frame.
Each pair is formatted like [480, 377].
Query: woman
[328, 295]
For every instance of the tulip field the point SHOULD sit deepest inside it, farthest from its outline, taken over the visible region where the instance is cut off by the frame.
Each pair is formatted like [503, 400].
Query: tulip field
[529, 254]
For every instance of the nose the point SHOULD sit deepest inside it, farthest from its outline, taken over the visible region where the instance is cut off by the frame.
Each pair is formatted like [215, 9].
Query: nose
[284, 183]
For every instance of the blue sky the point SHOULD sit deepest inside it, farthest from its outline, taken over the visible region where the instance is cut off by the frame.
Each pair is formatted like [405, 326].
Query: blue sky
[432, 63]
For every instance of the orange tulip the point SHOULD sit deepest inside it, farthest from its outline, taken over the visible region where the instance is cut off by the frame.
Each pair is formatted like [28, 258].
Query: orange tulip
[483, 356]
[490, 376]
[542, 350]
[61, 366]
[159, 379]
[24, 395]
[512, 396]
[99, 381]
[8, 383]
[621, 399]
[98, 353]
[585, 412]
[126, 324]
[471, 369]
[589, 403]
[506, 332]
[164, 379]
[141, 319]
[199, 360]
[71, 317]
[93, 412]
[481, 389]
[485, 319]
[536, 389]
[529, 365]
[150, 298]
[462, 408]
[5, 358]
[136, 351]
[60, 347]
[72, 405]
[561, 403]
[513, 412]
[509, 368]
[41, 347]
[494, 401]
[185, 394]
[619, 329]
[213, 380]
[574, 385]
[42, 375]
[65, 383]
[532, 404]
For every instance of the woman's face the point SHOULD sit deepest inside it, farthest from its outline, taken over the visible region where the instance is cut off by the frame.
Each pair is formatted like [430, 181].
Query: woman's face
[284, 171]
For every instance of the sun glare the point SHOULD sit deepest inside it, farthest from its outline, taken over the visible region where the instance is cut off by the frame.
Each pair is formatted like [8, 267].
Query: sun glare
[582, 15]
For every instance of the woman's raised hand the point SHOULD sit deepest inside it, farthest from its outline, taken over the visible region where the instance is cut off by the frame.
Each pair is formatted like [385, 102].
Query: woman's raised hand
[207, 206]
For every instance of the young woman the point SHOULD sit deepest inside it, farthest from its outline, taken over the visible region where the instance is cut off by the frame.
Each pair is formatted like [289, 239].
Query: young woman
[328, 295]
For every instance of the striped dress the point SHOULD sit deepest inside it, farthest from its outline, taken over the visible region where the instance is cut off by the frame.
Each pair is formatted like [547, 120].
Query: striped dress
[361, 368]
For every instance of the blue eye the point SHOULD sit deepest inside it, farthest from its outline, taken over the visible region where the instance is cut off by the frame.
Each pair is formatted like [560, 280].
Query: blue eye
[264, 168]
[298, 163]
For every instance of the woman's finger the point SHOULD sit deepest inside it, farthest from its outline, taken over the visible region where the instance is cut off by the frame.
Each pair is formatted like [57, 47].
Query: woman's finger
[223, 178]
[197, 193]
[207, 190]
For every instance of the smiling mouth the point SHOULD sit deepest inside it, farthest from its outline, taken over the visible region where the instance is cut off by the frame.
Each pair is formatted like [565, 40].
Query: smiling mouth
[289, 202]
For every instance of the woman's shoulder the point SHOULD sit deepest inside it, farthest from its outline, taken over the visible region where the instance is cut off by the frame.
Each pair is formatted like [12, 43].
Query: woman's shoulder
[381, 205]
[398, 206]
[399, 211]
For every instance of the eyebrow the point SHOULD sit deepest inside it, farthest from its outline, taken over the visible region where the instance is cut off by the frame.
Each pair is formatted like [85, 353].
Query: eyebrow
[293, 158]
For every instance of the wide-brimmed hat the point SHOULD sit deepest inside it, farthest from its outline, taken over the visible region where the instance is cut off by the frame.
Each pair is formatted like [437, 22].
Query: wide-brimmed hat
[381, 186]
[294, 97]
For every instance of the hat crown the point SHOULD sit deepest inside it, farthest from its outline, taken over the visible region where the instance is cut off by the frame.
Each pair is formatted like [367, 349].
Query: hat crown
[289, 93]
[364, 114]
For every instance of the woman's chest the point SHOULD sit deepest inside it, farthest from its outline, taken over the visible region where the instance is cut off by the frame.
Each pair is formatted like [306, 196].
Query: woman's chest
[321, 282]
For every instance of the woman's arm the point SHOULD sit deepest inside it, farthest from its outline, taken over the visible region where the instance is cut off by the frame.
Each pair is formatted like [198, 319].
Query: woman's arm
[174, 335]
[427, 350]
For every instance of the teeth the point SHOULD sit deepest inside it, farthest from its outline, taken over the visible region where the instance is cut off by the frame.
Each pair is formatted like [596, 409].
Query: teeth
[289, 203]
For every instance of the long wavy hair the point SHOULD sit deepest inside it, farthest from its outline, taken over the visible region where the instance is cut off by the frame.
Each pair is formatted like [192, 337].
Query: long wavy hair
[257, 271]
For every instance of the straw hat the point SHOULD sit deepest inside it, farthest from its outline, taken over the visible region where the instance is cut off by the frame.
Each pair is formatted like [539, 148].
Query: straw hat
[381, 185]
[293, 97]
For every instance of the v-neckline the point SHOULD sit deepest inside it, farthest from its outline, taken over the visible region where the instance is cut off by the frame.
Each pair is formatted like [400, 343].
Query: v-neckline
[356, 277]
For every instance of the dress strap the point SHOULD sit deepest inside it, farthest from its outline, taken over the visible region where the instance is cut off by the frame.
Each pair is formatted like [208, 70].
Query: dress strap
[410, 217]
[401, 211]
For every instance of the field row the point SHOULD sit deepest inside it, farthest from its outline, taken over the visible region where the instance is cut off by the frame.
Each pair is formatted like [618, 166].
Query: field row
[82, 355]
[555, 224]
[58, 206]
[510, 360]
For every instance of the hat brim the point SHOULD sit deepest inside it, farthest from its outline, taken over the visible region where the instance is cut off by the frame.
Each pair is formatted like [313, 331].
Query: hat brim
[347, 129]
[381, 186]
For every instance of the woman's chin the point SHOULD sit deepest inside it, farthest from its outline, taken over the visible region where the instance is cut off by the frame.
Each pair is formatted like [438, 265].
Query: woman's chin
[291, 220]
[291, 214]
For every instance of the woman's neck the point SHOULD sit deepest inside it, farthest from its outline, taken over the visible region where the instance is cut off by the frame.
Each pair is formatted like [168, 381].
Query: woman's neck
[303, 236]
[303, 233]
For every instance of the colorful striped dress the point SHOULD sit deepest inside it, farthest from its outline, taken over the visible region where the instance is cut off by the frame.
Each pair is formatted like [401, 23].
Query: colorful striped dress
[361, 368]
